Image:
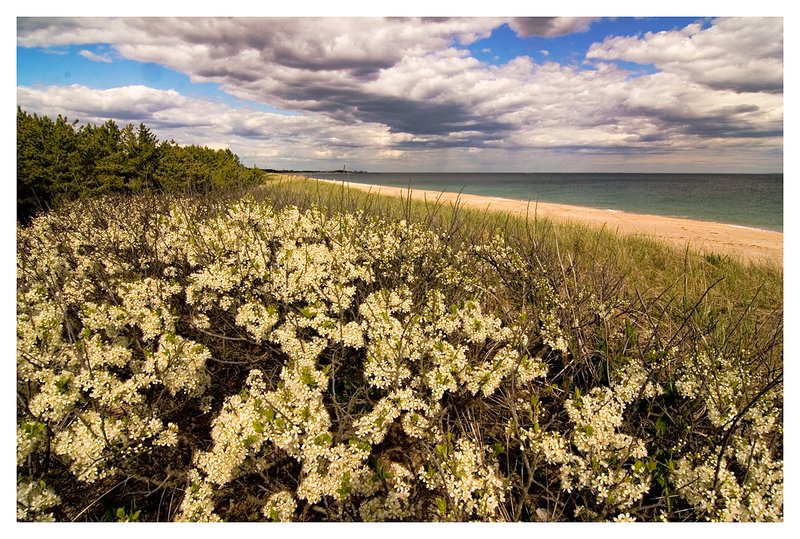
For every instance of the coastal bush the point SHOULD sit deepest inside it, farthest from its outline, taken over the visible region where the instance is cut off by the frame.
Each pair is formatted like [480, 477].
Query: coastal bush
[58, 161]
[216, 358]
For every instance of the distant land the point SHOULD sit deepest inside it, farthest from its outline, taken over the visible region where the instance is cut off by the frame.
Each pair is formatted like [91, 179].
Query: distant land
[338, 171]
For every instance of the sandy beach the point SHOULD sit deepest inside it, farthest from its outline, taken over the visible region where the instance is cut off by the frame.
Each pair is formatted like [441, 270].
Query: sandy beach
[748, 244]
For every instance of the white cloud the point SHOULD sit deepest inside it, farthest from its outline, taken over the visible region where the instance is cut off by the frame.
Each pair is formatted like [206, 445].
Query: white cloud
[127, 103]
[89, 55]
[744, 54]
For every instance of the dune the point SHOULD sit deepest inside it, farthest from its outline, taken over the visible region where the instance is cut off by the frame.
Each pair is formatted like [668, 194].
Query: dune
[747, 244]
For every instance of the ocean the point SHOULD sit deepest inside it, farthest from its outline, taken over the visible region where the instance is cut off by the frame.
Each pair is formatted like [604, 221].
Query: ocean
[751, 200]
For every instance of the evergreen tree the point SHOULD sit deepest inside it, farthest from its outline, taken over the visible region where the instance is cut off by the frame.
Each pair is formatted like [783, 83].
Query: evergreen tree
[45, 161]
[56, 161]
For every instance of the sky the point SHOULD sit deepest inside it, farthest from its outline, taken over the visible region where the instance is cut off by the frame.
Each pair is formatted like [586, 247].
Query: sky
[475, 93]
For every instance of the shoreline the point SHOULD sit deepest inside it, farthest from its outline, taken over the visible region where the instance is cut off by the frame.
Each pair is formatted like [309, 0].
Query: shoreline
[747, 243]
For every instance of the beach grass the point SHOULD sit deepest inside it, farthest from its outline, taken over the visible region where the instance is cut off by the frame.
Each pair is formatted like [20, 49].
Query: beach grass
[641, 264]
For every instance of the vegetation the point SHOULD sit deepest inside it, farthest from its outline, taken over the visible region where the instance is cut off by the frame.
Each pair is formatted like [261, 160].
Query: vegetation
[306, 352]
[310, 353]
[59, 161]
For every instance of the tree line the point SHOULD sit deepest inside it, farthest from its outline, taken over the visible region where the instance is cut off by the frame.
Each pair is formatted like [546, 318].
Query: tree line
[59, 160]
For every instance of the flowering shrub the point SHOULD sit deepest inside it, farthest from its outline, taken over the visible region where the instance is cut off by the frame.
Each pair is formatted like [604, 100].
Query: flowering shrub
[250, 362]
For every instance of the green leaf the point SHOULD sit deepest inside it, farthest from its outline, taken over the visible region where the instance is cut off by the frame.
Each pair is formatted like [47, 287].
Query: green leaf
[323, 439]
[441, 504]
[360, 444]
[62, 384]
[443, 449]
[308, 378]
[661, 425]
[345, 489]
[250, 440]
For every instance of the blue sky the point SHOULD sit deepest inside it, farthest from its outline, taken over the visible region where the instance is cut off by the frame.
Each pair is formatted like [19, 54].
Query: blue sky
[670, 94]
[504, 44]
[64, 66]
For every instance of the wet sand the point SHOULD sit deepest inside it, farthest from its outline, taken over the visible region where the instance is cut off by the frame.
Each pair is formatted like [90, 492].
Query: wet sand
[747, 244]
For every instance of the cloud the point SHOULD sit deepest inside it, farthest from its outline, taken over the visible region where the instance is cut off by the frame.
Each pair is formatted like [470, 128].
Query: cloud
[383, 89]
[306, 64]
[744, 55]
[316, 43]
[256, 136]
[550, 26]
[667, 99]
[89, 55]
[126, 104]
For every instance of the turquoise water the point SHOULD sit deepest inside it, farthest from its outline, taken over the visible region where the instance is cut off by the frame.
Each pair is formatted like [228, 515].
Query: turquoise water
[752, 200]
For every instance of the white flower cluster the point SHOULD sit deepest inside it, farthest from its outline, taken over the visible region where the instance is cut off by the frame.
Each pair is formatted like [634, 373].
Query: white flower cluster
[275, 258]
[57, 395]
[373, 426]
[179, 364]
[288, 278]
[499, 254]
[257, 319]
[396, 503]
[552, 331]
[198, 501]
[435, 343]
[713, 379]
[100, 379]
[473, 487]
[722, 496]
[390, 342]
[40, 331]
[29, 435]
[34, 498]
[335, 471]
[146, 304]
[88, 440]
[293, 418]
[280, 507]
[595, 455]
[718, 494]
